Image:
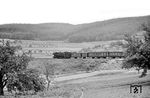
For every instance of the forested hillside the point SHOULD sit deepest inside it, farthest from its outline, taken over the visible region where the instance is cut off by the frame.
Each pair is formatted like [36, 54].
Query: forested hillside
[113, 29]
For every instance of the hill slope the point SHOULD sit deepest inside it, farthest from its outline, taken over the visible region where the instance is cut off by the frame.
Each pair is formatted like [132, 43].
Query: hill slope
[113, 29]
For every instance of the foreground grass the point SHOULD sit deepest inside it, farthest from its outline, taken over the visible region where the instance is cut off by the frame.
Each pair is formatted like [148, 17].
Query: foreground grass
[66, 91]
[113, 88]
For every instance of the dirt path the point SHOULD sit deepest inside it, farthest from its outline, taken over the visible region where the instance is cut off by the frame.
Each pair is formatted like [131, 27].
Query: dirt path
[103, 77]
[84, 75]
[97, 76]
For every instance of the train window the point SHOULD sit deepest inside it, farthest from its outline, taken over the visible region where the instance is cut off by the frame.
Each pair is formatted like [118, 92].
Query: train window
[100, 54]
[107, 53]
[111, 53]
[116, 54]
[104, 53]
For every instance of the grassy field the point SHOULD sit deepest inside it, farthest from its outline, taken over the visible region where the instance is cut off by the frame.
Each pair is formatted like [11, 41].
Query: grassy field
[117, 88]
[66, 66]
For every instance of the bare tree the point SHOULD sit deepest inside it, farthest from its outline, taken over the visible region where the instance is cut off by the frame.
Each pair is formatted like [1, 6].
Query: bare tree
[49, 72]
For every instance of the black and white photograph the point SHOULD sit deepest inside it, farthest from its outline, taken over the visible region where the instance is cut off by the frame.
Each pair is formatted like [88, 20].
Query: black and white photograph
[74, 49]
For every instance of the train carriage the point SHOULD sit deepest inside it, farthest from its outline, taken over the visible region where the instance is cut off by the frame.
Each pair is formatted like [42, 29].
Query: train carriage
[91, 54]
[98, 54]
[116, 54]
[76, 55]
[105, 54]
[112, 54]
[84, 55]
[121, 54]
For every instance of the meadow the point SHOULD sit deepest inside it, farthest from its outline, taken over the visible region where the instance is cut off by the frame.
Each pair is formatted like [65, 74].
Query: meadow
[68, 66]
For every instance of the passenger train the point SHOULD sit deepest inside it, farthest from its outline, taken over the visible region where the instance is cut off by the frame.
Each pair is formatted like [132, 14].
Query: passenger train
[68, 55]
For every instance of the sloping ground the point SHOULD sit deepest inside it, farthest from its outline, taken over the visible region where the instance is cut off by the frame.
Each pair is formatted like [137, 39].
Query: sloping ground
[108, 30]
[106, 88]
[99, 76]
[118, 92]
[85, 75]
[68, 66]
[118, 88]
[111, 86]
[45, 31]
[113, 29]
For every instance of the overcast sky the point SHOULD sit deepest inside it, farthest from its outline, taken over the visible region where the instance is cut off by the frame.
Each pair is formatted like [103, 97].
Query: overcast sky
[69, 11]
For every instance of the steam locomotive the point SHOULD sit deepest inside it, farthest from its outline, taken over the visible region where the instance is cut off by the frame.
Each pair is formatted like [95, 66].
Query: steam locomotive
[68, 55]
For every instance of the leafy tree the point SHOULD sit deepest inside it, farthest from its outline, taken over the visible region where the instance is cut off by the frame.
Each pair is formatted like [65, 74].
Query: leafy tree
[138, 51]
[14, 73]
